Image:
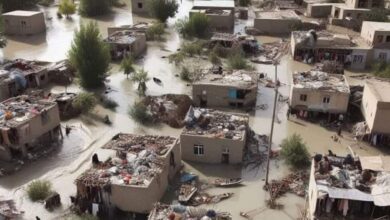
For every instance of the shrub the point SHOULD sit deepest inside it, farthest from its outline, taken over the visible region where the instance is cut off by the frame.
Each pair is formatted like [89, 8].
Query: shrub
[139, 112]
[155, 31]
[197, 25]
[39, 190]
[192, 49]
[67, 7]
[381, 69]
[109, 103]
[295, 151]
[94, 7]
[141, 77]
[127, 66]
[185, 74]
[237, 61]
[244, 3]
[84, 102]
[176, 58]
[162, 9]
[214, 59]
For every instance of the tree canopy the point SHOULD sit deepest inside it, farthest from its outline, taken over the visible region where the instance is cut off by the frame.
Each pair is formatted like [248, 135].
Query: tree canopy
[94, 7]
[198, 25]
[141, 77]
[89, 55]
[67, 7]
[295, 151]
[162, 9]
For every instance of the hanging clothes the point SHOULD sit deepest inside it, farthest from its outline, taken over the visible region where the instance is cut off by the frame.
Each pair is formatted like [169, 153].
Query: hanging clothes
[95, 209]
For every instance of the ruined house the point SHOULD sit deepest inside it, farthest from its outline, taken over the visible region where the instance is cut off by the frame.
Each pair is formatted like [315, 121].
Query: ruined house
[349, 187]
[27, 123]
[313, 47]
[212, 136]
[126, 43]
[24, 22]
[141, 27]
[134, 176]
[276, 22]
[375, 108]
[220, 13]
[230, 42]
[319, 92]
[221, 88]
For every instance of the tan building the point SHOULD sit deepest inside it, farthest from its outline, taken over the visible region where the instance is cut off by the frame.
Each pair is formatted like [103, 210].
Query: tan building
[377, 35]
[319, 10]
[220, 13]
[138, 6]
[316, 91]
[24, 22]
[226, 89]
[214, 137]
[27, 122]
[376, 106]
[126, 43]
[141, 27]
[276, 22]
[134, 177]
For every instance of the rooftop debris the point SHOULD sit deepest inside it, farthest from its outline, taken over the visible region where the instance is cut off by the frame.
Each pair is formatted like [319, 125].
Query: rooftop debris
[271, 53]
[205, 198]
[123, 37]
[61, 72]
[170, 108]
[295, 183]
[315, 79]
[215, 123]
[8, 209]
[236, 78]
[25, 66]
[138, 162]
[17, 110]
[247, 43]
[141, 27]
[331, 67]
[163, 212]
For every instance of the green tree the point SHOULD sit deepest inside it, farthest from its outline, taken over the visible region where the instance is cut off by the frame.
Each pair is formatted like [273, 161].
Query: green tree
[295, 151]
[139, 112]
[127, 66]
[237, 61]
[141, 77]
[94, 7]
[67, 7]
[162, 9]
[376, 14]
[85, 102]
[89, 55]
[11, 5]
[198, 25]
[39, 190]
[155, 31]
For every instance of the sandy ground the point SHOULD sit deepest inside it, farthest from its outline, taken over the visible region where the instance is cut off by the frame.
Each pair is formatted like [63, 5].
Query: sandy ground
[73, 156]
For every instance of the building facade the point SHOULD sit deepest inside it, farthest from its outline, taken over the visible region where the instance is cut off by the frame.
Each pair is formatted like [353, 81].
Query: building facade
[276, 22]
[24, 22]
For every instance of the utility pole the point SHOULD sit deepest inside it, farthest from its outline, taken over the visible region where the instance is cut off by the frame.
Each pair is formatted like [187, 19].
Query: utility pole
[272, 123]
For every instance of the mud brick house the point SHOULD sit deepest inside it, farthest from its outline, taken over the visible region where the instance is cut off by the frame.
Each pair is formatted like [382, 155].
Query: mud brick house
[24, 22]
[126, 43]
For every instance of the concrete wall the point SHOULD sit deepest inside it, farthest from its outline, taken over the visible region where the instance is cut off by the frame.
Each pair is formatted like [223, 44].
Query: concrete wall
[213, 148]
[338, 102]
[138, 6]
[275, 26]
[217, 95]
[141, 199]
[375, 112]
[24, 25]
[319, 10]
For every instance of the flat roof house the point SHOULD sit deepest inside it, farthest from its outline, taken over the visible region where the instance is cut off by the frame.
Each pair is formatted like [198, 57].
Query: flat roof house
[220, 13]
[126, 43]
[317, 91]
[377, 35]
[226, 89]
[276, 22]
[376, 106]
[133, 178]
[24, 22]
[212, 136]
[25, 123]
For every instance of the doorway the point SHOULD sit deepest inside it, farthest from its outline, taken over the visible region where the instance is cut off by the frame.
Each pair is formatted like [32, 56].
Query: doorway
[225, 156]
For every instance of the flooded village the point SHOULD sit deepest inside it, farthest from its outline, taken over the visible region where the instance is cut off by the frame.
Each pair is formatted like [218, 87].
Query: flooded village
[194, 109]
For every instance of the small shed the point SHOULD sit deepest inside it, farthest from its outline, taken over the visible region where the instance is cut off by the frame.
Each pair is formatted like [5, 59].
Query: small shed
[24, 22]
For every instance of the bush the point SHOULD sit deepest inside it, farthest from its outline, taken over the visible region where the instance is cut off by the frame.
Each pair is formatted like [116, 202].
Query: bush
[67, 7]
[244, 3]
[381, 69]
[214, 59]
[109, 103]
[176, 58]
[197, 25]
[84, 102]
[376, 14]
[139, 112]
[192, 49]
[94, 7]
[141, 77]
[39, 190]
[185, 74]
[127, 66]
[295, 151]
[237, 61]
[155, 31]
[162, 9]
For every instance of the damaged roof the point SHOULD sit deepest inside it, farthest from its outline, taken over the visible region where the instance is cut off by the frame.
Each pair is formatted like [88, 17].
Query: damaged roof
[17, 110]
[237, 78]
[284, 14]
[318, 80]
[123, 37]
[216, 124]
[214, 3]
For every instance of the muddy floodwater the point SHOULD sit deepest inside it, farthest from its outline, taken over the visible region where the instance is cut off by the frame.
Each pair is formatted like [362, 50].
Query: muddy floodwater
[72, 156]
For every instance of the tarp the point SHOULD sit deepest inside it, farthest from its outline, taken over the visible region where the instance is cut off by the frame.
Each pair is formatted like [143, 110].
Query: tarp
[351, 194]
[375, 163]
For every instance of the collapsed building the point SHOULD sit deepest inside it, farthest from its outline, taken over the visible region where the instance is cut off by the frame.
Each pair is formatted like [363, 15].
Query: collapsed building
[231, 42]
[315, 92]
[221, 88]
[26, 124]
[349, 187]
[276, 22]
[220, 13]
[141, 27]
[126, 43]
[212, 136]
[133, 178]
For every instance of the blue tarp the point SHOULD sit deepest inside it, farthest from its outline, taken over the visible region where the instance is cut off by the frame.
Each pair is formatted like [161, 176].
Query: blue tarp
[232, 93]
[186, 177]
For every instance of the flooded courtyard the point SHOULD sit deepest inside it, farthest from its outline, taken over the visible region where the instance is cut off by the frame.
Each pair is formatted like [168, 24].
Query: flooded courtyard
[89, 133]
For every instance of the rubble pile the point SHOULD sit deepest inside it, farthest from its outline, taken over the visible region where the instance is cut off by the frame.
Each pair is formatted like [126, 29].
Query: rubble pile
[163, 212]
[315, 79]
[215, 123]
[170, 109]
[275, 51]
[256, 149]
[8, 210]
[294, 183]
[61, 72]
[237, 78]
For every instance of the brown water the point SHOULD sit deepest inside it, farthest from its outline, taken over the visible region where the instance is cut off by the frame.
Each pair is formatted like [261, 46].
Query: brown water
[72, 157]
